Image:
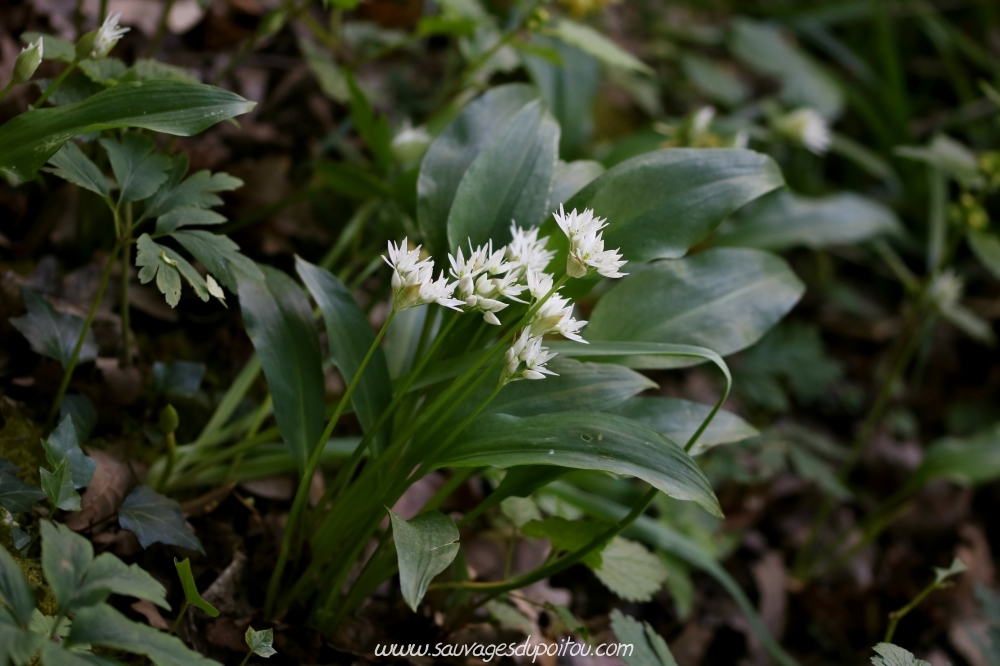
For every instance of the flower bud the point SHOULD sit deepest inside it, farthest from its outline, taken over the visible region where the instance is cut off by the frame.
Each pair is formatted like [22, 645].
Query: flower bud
[168, 419]
[85, 45]
[410, 144]
[27, 62]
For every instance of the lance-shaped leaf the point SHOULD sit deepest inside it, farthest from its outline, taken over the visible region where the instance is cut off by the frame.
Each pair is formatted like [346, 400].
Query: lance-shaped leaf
[62, 443]
[425, 546]
[661, 203]
[191, 593]
[52, 333]
[678, 420]
[510, 180]
[591, 41]
[138, 170]
[173, 107]
[350, 336]
[154, 518]
[583, 440]
[221, 256]
[724, 299]
[281, 326]
[448, 157]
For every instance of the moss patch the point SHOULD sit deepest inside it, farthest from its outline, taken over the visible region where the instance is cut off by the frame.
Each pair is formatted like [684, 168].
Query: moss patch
[20, 441]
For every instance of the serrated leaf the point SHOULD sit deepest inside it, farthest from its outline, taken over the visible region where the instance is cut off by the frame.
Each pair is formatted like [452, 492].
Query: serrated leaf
[58, 486]
[173, 107]
[103, 625]
[72, 165]
[62, 443]
[66, 557]
[154, 518]
[648, 647]
[197, 191]
[887, 654]
[187, 216]
[569, 535]
[260, 642]
[520, 510]
[52, 333]
[103, 70]
[425, 546]
[220, 256]
[153, 262]
[17, 496]
[191, 593]
[109, 573]
[15, 593]
[139, 171]
[630, 571]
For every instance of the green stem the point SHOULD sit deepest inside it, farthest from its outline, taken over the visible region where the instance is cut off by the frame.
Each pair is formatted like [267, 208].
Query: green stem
[6, 89]
[180, 616]
[897, 615]
[161, 30]
[126, 265]
[246, 659]
[55, 84]
[302, 495]
[168, 469]
[75, 356]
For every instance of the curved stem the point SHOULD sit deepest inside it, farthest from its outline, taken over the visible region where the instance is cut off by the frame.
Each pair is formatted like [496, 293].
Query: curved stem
[6, 89]
[55, 84]
[302, 495]
[68, 372]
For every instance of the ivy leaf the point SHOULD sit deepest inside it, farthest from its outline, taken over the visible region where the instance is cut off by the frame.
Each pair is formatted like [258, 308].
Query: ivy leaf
[71, 164]
[154, 518]
[84, 415]
[58, 486]
[191, 594]
[62, 443]
[648, 647]
[139, 171]
[630, 571]
[259, 642]
[425, 546]
[52, 333]
[887, 654]
[15, 495]
[14, 590]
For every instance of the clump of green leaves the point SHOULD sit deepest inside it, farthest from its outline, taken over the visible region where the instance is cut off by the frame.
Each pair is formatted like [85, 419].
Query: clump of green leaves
[81, 584]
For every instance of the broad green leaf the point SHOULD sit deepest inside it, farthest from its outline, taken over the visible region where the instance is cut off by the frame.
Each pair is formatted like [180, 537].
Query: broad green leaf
[520, 510]
[591, 41]
[724, 299]
[139, 171]
[58, 486]
[659, 204]
[105, 71]
[167, 267]
[887, 654]
[568, 88]
[191, 593]
[425, 546]
[154, 518]
[280, 323]
[511, 179]
[630, 571]
[571, 177]
[448, 157]
[17, 496]
[648, 647]
[107, 574]
[196, 191]
[62, 443]
[103, 625]
[583, 440]
[714, 81]
[53, 48]
[654, 355]
[52, 333]
[81, 410]
[661, 536]
[803, 82]
[71, 164]
[678, 420]
[148, 69]
[966, 461]
[220, 256]
[66, 557]
[948, 155]
[569, 535]
[17, 645]
[260, 642]
[782, 220]
[594, 387]
[986, 247]
[331, 77]
[53, 654]
[350, 336]
[27, 141]
[187, 217]
[15, 593]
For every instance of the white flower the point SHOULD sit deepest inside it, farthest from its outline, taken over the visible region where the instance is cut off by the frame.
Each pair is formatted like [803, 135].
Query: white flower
[527, 349]
[807, 127]
[539, 284]
[410, 144]
[107, 36]
[586, 246]
[526, 251]
[702, 119]
[413, 280]
[556, 316]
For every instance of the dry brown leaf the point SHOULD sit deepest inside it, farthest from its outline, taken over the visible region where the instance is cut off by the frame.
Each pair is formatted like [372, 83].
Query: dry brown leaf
[112, 481]
[152, 614]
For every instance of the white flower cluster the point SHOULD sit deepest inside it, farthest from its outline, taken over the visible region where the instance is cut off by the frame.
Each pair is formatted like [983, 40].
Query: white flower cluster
[107, 36]
[487, 280]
